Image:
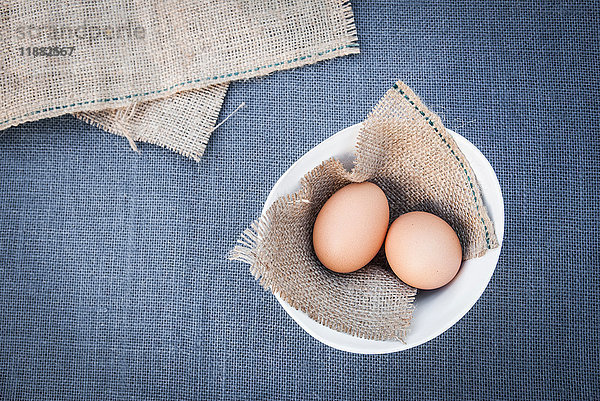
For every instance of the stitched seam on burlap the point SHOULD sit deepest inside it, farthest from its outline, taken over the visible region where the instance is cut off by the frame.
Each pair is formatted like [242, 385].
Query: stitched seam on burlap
[191, 81]
[487, 234]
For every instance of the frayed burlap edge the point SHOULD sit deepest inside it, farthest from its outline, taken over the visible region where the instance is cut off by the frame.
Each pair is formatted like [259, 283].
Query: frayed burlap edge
[189, 140]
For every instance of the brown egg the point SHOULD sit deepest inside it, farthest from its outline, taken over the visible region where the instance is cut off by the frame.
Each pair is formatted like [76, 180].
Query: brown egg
[423, 250]
[351, 226]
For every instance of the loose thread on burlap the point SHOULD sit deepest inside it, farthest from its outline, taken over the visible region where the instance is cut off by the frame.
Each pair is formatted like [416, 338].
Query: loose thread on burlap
[241, 106]
[121, 116]
[430, 122]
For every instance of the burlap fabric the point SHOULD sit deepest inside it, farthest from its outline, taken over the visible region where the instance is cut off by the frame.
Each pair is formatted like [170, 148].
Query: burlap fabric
[403, 148]
[74, 56]
[182, 122]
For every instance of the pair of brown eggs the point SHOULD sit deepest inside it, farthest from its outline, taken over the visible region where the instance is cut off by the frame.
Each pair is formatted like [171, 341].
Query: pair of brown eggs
[351, 227]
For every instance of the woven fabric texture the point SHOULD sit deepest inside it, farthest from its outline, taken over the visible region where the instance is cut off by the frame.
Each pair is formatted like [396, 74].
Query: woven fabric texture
[114, 282]
[115, 55]
[182, 122]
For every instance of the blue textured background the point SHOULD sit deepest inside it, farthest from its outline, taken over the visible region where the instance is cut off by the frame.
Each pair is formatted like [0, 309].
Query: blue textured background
[113, 277]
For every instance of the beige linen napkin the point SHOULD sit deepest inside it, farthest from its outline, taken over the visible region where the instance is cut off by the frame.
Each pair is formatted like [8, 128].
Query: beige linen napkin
[165, 64]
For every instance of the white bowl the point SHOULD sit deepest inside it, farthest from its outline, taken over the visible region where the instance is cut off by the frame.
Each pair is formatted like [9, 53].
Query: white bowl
[435, 311]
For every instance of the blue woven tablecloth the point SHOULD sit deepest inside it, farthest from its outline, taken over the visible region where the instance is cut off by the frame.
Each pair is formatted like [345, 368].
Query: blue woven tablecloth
[114, 282]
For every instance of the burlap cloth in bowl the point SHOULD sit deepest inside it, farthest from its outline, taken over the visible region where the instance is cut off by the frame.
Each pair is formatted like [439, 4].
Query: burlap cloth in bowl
[404, 148]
